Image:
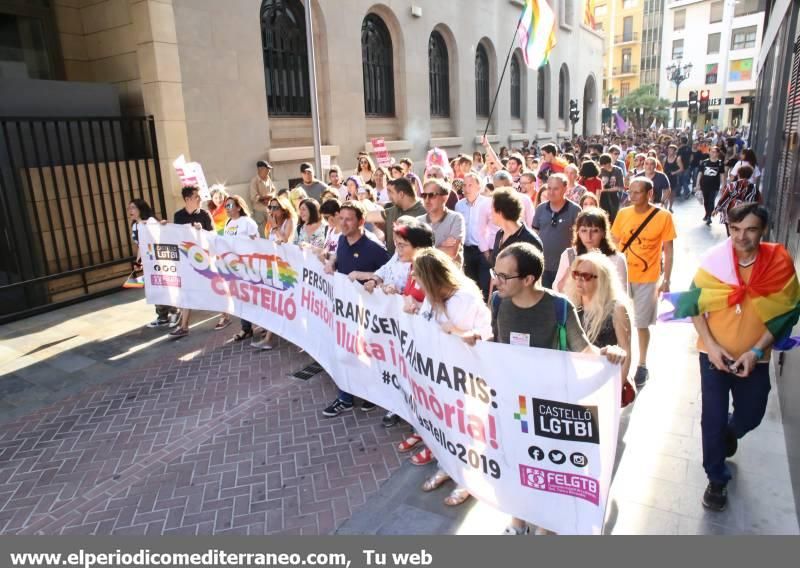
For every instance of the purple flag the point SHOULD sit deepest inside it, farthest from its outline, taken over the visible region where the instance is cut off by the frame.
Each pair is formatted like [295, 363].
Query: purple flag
[620, 123]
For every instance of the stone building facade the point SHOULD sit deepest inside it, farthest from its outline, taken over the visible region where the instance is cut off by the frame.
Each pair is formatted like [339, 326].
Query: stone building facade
[199, 66]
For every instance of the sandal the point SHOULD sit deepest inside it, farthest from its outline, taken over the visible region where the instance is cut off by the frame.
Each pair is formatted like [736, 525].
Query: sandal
[423, 458]
[457, 497]
[409, 443]
[435, 481]
[242, 335]
[222, 323]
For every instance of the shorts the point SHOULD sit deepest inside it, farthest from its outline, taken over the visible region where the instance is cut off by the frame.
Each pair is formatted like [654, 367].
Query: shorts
[645, 304]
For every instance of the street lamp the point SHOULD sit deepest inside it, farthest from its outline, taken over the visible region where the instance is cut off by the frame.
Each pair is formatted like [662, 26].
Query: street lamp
[678, 72]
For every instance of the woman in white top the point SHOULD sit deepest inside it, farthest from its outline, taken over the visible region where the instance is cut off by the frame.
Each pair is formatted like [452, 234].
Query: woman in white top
[456, 304]
[592, 232]
[313, 229]
[380, 177]
[748, 157]
[240, 225]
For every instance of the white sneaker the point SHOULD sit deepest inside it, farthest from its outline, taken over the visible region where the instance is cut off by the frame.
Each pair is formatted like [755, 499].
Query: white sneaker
[174, 319]
[513, 531]
[158, 323]
[261, 344]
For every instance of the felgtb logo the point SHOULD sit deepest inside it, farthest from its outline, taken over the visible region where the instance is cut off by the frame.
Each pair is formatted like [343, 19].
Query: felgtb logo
[163, 252]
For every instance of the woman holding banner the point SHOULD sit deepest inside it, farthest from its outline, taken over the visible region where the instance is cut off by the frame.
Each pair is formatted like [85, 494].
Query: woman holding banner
[239, 225]
[456, 304]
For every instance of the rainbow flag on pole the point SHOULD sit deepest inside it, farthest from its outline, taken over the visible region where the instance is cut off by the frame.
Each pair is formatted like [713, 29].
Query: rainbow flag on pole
[773, 290]
[588, 14]
[537, 32]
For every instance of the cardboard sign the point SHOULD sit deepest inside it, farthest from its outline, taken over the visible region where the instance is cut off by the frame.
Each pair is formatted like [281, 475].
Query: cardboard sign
[191, 173]
[381, 153]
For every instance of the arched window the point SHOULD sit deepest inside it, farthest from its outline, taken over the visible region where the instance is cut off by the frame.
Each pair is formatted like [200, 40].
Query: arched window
[516, 89]
[540, 93]
[376, 60]
[438, 75]
[562, 92]
[481, 81]
[283, 40]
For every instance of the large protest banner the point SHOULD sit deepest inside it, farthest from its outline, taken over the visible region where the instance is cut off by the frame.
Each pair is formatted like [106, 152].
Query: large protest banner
[531, 431]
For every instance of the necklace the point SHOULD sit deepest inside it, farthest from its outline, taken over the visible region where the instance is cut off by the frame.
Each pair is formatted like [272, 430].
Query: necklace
[746, 264]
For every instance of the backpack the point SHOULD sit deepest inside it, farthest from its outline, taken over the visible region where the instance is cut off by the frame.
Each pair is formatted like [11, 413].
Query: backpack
[561, 307]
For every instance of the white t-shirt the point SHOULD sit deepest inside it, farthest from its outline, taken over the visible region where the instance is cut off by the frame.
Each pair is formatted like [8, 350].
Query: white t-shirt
[332, 241]
[394, 272]
[242, 227]
[465, 311]
[383, 196]
[617, 259]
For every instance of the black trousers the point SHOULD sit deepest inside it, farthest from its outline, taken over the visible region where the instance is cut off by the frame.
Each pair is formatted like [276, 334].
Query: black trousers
[709, 197]
[476, 267]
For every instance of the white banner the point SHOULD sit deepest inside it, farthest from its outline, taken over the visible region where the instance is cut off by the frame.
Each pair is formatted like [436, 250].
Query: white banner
[531, 431]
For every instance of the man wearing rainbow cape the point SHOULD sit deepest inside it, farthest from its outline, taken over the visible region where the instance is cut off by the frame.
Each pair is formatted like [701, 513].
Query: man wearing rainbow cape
[744, 300]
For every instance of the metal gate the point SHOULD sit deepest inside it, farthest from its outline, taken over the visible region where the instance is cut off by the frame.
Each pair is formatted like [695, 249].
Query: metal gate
[65, 184]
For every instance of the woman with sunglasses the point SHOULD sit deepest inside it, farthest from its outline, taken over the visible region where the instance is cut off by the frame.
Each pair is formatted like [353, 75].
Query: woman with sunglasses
[239, 225]
[365, 170]
[313, 229]
[455, 303]
[281, 229]
[603, 308]
[592, 232]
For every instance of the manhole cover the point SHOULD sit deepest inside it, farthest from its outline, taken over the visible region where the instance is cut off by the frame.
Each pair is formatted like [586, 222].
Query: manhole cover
[307, 372]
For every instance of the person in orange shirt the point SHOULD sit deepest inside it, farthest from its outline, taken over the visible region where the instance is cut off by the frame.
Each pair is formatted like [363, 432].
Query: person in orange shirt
[644, 232]
[734, 345]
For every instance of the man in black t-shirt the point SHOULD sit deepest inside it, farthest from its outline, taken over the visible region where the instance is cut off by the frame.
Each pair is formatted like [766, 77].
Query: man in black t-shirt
[200, 219]
[697, 157]
[613, 183]
[661, 185]
[710, 181]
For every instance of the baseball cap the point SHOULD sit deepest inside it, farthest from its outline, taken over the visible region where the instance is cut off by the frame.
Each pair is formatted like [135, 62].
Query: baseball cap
[263, 164]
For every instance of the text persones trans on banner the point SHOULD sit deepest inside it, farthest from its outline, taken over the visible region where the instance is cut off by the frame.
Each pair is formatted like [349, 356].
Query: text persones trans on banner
[531, 431]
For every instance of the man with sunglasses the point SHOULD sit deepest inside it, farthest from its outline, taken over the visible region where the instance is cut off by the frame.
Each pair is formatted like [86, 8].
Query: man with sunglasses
[553, 222]
[525, 314]
[643, 232]
[448, 226]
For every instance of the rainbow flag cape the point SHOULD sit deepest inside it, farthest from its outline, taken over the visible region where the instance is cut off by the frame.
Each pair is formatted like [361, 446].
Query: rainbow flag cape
[537, 32]
[773, 290]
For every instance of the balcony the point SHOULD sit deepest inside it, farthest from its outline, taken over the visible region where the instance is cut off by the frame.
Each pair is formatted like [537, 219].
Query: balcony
[625, 70]
[632, 37]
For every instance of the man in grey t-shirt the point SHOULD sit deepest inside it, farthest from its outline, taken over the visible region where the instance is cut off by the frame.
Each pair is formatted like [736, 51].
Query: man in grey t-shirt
[553, 222]
[312, 186]
[528, 315]
[448, 226]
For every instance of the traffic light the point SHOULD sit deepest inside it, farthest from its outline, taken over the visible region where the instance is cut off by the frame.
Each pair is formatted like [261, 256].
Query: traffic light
[693, 104]
[703, 102]
[574, 113]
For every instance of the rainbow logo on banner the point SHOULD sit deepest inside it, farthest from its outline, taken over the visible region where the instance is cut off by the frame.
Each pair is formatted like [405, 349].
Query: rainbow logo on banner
[522, 415]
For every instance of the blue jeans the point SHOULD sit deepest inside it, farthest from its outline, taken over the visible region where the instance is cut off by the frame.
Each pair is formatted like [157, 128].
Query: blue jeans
[749, 405]
[685, 180]
[345, 397]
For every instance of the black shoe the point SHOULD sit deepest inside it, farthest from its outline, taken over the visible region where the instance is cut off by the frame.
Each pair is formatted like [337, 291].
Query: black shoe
[366, 406]
[715, 497]
[336, 408]
[708, 222]
[390, 419]
[731, 443]
[641, 376]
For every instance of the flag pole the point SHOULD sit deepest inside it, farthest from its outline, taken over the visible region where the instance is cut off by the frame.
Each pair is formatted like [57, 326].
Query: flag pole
[503, 74]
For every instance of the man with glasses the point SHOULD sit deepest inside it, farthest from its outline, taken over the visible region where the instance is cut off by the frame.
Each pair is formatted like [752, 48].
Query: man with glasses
[553, 222]
[448, 226]
[643, 232]
[311, 185]
[200, 219]
[524, 313]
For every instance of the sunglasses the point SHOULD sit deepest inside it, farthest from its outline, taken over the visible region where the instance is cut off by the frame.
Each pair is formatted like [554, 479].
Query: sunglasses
[584, 276]
[554, 220]
[274, 207]
[430, 195]
[503, 278]
[229, 206]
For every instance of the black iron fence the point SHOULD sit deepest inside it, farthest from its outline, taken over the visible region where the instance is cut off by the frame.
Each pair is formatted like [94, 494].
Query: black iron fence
[65, 184]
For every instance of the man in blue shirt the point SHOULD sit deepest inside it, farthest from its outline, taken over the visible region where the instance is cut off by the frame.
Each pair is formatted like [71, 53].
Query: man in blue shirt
[355, 253]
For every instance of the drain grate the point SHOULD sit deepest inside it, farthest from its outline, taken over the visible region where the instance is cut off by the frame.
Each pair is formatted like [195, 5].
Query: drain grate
[307, 372]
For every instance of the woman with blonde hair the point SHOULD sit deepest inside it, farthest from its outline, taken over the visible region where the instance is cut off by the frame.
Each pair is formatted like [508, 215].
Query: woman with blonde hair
[603, 308]
[296, 196]
[456, 304]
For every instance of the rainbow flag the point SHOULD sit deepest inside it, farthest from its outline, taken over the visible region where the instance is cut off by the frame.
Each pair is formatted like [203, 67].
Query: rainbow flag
[773, 290]
[134, 281]
[537, 32]
[588, 14]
